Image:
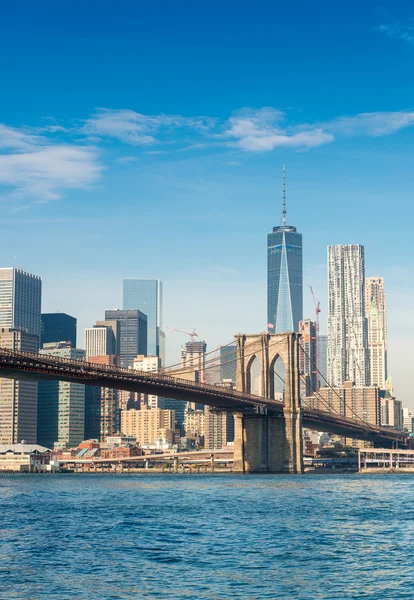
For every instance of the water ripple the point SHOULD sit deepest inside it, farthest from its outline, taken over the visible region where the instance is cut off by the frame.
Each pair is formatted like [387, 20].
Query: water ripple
[116, 537]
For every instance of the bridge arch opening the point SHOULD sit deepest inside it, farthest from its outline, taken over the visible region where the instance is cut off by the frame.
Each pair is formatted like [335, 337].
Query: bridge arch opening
[254, 376]
[277, 378]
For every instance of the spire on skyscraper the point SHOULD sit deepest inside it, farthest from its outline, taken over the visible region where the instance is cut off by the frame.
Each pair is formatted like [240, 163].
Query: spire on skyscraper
[284, 211]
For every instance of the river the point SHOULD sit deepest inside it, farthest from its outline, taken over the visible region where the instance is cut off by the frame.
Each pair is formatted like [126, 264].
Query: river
[112, 537]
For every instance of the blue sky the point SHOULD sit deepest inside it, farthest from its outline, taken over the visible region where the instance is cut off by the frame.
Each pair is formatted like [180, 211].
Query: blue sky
[147, 140]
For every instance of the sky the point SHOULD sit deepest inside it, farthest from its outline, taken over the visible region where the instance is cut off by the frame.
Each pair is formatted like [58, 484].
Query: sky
[147, 140]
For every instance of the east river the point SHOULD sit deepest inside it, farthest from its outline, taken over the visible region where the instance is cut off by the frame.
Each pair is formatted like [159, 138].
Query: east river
[110, 537]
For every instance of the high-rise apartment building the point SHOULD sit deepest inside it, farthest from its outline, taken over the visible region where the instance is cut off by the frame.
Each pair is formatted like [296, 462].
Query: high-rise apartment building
[20, 300]
[284, 276]
[146, 296]
[218, 428]
[58, 327]
[110, 412]
[392, 412]
[323, 359]
[307, 357]
[149, 364]
[148, 425]
[132, 334]
[376, 313]
[61, 405]
[18, 399]
[348, 358]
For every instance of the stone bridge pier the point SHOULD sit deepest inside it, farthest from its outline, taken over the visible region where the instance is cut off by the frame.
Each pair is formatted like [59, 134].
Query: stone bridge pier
[267, 443]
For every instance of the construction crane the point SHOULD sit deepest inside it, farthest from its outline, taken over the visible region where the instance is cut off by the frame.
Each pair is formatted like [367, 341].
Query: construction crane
[317, 311]
[193, 334]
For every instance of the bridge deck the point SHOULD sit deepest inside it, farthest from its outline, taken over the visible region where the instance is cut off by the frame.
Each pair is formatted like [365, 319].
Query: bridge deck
[27, 365]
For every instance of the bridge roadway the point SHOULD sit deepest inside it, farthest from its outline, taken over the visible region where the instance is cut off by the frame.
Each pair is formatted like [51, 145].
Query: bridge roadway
[28, 365]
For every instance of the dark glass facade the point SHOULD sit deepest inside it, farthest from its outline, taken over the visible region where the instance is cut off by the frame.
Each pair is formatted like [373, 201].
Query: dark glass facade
[228, 363]
[58, 327]
[284, 279]
[146, 296]
[132, 334]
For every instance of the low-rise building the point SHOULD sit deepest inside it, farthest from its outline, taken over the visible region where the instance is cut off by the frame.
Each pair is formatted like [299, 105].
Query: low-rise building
[24, 458]
[121, 452]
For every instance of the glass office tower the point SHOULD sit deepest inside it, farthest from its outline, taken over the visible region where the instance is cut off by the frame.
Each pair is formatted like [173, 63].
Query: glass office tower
[132, 334]
[146, 296]
[58, 327]
[284, 279]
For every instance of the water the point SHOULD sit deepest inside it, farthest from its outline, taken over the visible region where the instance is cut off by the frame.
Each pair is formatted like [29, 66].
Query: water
[104, 537]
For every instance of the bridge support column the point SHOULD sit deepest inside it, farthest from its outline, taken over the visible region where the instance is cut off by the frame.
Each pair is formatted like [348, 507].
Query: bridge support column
[269, 443]
[266, 444]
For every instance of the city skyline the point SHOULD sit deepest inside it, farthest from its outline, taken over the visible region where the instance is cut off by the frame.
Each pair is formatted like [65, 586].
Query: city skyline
[123, 159]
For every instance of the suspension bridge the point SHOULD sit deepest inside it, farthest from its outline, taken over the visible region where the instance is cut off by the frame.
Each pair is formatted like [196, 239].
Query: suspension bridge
[268, 431]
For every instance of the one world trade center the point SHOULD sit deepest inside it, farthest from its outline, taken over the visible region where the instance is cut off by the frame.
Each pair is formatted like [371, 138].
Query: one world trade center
[284, 275]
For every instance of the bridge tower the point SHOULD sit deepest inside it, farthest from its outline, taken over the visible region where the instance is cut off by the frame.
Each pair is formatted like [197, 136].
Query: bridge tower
[265, 443]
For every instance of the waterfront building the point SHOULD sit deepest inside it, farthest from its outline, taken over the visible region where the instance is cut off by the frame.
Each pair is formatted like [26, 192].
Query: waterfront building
[146, 296]
[132, 334]
[376, 312]
[308, 357]
[24, 458]
[18, 399]
[148, 425]
[20, 301]
[284, 276]
[61, 404]
[99, 341]
[57, 327]
[348, 358]
[149, 364]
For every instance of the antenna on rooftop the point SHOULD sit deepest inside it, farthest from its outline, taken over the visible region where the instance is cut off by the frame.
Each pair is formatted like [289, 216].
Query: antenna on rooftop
[284, 211]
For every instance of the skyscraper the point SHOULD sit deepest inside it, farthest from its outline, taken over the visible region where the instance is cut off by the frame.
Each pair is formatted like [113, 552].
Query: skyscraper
[61, 407]
[307, 357]
[284, 276]
[347, 325]
[323, 359]
[99, 341]
[20, 300]
[146, 296]
[58, 327]
[376, 312]
[132, 334]
[18, 399]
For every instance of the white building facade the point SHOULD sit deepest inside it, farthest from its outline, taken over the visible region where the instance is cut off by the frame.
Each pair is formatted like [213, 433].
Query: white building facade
[348, 358]
[376, 312]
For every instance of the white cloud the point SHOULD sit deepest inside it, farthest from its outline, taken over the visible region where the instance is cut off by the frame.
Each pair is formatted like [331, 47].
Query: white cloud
[371, 124]
[398, 31]
[33, 166]
[262, 131]
[137, 129]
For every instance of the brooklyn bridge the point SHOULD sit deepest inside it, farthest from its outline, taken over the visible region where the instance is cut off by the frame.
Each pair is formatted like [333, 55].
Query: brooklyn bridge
[268, 431]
